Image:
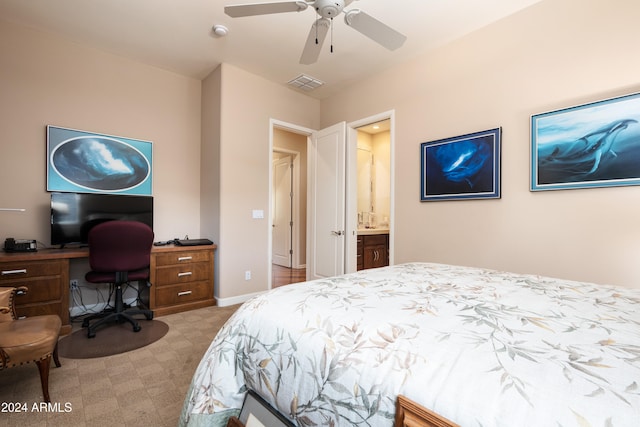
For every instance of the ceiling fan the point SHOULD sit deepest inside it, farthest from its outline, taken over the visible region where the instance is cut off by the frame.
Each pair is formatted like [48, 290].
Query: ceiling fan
[326, 10]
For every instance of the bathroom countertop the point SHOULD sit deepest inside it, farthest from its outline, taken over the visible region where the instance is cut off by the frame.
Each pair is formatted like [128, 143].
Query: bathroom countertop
[371, 231]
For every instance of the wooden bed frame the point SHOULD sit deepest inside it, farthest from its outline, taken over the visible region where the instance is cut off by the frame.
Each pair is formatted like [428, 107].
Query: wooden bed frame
[410, 414]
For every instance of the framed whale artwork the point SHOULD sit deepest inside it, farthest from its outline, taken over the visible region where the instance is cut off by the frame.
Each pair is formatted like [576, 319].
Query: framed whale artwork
[87, 162]
[590, 145]
[462, 167]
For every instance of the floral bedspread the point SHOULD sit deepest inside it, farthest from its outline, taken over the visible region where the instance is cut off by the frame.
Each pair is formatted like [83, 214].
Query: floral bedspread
[479, 347]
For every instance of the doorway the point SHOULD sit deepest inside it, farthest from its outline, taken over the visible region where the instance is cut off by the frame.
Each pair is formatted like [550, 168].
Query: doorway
[288, 206]
[348, 234]
[375, 135]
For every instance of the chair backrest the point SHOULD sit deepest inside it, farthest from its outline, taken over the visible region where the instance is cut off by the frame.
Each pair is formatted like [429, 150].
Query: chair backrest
[120, 246]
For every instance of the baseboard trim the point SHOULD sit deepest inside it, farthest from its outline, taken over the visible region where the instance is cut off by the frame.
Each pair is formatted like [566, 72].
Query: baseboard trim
[225, 302]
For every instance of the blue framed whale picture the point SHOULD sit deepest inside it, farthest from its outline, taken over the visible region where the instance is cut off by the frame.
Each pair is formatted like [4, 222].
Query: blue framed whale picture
[462, 167]
[591, 145]
[85, 162]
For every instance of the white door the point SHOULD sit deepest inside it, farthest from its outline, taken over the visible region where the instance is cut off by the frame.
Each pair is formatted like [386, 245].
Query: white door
[326, 201]
[282, 211]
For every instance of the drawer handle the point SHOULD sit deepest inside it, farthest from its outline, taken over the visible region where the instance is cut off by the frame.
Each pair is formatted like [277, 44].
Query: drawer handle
[186, 273]
[8, 272]
[183, 293]
[185, 258]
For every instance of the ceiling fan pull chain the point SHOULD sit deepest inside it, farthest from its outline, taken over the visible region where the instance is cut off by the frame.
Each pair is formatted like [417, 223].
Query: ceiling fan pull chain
[331, 35]
[317, 21]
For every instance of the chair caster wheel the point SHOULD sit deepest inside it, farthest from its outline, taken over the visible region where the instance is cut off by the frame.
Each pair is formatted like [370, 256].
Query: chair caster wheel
[149, 316]
[136, 328]
[91, 334]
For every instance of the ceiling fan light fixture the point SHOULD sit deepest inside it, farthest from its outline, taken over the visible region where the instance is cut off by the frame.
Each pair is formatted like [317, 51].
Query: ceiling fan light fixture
[328, 8]
[220, 30]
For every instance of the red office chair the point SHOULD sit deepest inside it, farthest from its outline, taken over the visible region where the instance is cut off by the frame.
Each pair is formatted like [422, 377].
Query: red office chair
[119, 253]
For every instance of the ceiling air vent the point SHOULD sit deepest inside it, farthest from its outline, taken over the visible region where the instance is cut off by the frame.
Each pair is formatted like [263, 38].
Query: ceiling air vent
[305, 83]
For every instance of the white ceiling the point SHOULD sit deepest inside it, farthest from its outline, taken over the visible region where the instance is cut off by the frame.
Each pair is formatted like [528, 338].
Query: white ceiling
[176, 35]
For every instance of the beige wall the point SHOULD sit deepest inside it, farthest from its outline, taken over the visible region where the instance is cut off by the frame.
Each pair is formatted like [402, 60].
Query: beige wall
[249, 103]
[210, 164]
[556, 54]
[45, 80]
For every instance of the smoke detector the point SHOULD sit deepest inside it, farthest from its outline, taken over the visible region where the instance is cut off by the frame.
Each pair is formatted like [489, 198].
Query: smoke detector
[220, 30]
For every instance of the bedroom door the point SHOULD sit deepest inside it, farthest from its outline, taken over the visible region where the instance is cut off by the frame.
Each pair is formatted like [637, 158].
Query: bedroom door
[326, 200]
[282, 211]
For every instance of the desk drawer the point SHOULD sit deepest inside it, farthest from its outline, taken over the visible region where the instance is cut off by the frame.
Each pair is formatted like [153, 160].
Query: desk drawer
[31, 310]
[192, 272]
[39, 290]
[187, 292]
[173, 258]
[16, 271]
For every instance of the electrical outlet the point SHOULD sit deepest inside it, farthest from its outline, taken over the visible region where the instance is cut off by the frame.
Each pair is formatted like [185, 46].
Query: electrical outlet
[247, 275]
[73, 284]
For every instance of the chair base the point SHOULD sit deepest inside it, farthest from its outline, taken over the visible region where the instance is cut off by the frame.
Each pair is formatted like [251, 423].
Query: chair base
[119, 315]
[119, 318]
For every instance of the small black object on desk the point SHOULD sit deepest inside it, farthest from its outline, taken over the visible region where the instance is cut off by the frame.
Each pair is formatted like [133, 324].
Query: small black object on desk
[185, 242]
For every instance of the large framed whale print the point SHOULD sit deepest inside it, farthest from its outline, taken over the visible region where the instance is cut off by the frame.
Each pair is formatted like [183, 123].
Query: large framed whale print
[87, 162]
[462, 167]
[590, 145]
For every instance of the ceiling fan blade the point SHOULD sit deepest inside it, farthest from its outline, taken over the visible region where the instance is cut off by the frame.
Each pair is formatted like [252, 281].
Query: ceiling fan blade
[374, 29]
[315, 39]
[240, 10]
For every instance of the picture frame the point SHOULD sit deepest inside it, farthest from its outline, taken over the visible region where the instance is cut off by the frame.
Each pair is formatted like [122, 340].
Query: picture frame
[257, 412]
[462, 167]
[89, 162]
[585, 146]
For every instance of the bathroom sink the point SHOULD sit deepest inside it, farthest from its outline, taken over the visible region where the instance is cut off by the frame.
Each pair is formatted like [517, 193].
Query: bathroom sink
[367, 231]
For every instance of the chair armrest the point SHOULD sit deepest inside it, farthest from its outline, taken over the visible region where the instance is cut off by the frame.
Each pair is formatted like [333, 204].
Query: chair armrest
[7, 296]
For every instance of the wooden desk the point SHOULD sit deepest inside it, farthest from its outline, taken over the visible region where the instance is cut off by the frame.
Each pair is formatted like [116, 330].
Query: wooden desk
[181, 278]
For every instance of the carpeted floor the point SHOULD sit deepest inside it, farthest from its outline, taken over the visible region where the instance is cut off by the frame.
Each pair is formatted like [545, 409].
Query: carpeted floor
[141, 387]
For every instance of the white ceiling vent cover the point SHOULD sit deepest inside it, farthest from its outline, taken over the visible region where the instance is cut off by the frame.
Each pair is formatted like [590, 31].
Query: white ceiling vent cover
[305, 83]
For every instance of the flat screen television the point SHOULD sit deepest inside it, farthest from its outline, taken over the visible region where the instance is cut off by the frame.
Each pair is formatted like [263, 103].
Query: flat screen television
[74, 214]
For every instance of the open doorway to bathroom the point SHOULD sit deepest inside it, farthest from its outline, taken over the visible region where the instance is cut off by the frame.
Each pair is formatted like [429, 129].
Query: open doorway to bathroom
[373, 158]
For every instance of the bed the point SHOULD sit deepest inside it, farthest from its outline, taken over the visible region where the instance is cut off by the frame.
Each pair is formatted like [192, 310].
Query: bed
[476, 346]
